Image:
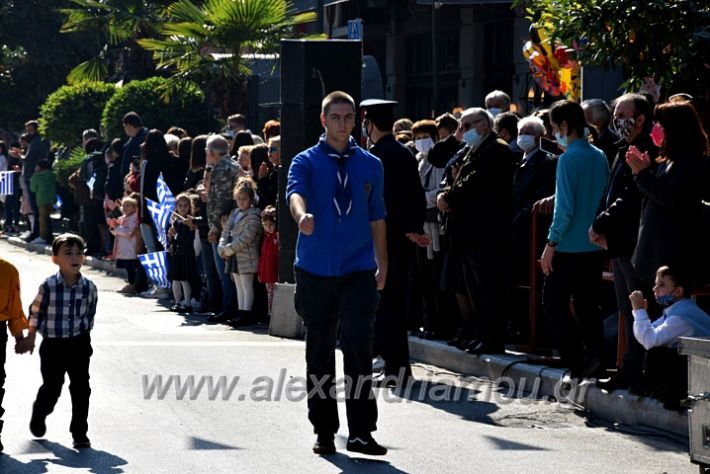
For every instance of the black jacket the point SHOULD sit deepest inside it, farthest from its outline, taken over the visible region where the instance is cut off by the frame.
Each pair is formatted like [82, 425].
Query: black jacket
[480, 198]
[670, 231]
[404, 196]
[609, 143]
[442, 151]
[533, 180]
[619, 219]
[130, 149]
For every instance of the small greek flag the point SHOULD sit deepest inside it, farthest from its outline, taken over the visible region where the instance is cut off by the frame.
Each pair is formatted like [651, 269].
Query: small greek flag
[58, 203]
[6, 183]
[162, 210]
[155, 265]
[90, 183]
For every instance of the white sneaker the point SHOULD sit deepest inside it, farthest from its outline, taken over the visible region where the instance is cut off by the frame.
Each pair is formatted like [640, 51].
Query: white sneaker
[39, 240]
[150, 293]
[378, 364]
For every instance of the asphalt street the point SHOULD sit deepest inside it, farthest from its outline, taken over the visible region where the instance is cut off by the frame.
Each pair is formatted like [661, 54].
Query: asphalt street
[145, 419]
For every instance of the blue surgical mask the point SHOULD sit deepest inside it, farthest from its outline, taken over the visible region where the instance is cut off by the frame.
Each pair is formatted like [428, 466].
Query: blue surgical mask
[495, 111]
[526, 142]
[665, 300]
[423, 144]
[561, 140]
[471, 137]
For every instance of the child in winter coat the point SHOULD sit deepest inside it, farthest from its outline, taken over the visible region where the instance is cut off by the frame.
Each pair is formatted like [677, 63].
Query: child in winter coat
[239, 244]
[268, 270]
[127, 243]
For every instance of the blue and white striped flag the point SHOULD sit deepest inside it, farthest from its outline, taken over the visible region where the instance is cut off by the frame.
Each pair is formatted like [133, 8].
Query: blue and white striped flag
[90, 183]
[162, 210]
[58, 204]
[161, 216]
[6, 183]
[156, 268]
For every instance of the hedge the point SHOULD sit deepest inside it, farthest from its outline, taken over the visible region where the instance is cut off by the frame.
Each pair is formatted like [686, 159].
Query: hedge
[186, 108]
[70, 110]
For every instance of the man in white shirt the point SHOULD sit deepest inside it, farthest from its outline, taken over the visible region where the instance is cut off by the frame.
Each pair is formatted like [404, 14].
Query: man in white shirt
[665, 370]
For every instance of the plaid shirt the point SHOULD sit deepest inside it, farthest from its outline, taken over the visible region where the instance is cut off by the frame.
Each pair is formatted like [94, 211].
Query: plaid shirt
[61, 311]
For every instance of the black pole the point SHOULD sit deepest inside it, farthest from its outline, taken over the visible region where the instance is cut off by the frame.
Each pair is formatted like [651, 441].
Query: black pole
[434, 57]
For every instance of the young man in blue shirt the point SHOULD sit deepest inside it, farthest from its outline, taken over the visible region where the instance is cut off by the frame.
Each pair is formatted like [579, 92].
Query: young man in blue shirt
[335, 194]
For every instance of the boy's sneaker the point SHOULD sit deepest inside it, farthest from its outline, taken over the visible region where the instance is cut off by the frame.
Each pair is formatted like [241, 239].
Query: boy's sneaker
[37, 426]
[39, 241]
[324, 444]
[81, 441]
[365, 444]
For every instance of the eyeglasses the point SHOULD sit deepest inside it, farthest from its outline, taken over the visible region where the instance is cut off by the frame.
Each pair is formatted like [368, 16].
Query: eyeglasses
[466, 126]
[273, 149]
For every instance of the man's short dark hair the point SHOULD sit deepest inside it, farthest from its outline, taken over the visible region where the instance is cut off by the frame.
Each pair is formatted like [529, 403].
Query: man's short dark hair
[132, 119]
[338, 97]
[507, 121]
[44, 164]
[92, 145]
[447, 121]
[238, 119]
[68, 240]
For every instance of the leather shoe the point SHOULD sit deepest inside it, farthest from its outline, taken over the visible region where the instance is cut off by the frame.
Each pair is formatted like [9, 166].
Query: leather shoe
[218, 318]
[365, 444]
[324, 444]
[480, 347]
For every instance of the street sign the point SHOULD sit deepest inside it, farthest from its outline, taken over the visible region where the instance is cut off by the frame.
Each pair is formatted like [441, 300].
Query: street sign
[355, 29]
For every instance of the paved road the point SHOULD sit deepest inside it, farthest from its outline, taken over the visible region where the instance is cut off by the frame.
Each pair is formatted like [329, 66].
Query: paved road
[259, 429]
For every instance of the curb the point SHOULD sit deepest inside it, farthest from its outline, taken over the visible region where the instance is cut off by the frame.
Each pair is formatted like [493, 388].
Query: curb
[618, 407]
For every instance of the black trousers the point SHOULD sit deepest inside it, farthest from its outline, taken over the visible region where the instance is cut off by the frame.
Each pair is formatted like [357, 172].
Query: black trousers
[3, 357]
[391, 322]
[488, 287]
[624, 283]
[666, 374]
[576, 275]
[59, 357]
[324, 303]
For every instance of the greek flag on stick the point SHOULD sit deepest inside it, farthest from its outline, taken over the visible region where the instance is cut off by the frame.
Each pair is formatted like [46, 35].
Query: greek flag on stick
[156, 268]
[90, 183]
[162, 210]
[6, 183]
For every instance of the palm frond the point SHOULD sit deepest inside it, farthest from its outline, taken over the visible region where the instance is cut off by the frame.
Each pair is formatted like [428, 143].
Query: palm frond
[95, 69]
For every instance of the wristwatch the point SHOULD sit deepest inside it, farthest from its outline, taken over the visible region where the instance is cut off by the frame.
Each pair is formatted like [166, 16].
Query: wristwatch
[552, 244]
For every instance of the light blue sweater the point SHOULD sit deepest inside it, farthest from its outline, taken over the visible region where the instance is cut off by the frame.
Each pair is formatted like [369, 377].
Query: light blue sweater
[582, 176]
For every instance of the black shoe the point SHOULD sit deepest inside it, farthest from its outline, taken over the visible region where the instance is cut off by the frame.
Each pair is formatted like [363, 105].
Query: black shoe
[324, 444]
[218, 318]
[242, 322]
[365, 444]
[478, 348]
[618, 382]
[81, 442]
[175, 308]
[37, 426]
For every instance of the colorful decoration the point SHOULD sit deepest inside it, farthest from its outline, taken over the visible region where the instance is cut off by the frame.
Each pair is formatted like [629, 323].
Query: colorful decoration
[551, 66]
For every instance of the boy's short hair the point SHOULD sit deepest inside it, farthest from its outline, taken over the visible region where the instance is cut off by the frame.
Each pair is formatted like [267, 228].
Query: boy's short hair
[132, 119]
[447, 121]
[337, 97]
[67, 239]
[678, 277]
[44, 164]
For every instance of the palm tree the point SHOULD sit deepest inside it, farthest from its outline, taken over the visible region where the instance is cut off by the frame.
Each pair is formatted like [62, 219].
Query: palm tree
[207, 43]
[118, 25]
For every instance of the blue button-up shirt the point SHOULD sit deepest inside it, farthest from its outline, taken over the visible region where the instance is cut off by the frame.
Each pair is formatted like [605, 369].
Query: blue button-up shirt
[338, 245]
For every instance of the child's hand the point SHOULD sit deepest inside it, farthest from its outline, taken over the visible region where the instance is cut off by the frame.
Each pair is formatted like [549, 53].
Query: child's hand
[637, 300]
[172, 232]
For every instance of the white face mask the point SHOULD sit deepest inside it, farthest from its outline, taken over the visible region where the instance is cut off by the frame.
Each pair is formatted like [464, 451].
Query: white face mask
[423, 144]
[495, 111]
[526, 142]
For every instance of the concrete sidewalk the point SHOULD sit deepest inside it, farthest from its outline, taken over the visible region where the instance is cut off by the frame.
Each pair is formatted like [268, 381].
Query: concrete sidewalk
[514, 373]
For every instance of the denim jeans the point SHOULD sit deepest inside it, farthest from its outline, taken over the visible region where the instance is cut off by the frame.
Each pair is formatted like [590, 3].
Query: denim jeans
[229, 292]
[209, 269]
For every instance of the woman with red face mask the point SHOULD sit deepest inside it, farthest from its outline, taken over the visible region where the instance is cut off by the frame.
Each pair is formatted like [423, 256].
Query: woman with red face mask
[674, 222]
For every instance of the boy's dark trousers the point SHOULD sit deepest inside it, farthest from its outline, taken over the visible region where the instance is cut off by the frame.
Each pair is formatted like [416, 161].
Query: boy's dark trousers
[59, 356]
[3, 357]
[324, 303]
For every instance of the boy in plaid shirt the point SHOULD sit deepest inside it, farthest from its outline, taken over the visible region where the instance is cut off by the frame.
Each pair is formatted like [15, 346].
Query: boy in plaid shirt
[63, 312]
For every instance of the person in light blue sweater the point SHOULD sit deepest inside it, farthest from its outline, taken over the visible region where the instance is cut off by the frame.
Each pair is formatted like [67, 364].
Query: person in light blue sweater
[571, 264]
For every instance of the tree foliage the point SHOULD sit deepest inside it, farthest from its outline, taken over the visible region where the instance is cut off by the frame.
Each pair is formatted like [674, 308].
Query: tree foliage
[206, 43]
[71, 109]
[665, 39]
[186, 107]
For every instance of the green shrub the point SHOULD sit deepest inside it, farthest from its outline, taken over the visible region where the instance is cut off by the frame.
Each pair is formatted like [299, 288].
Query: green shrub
[70, 110]
[186, 108]
[65, 167]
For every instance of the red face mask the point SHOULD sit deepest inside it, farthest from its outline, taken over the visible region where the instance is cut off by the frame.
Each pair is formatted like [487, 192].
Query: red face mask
[658, 135]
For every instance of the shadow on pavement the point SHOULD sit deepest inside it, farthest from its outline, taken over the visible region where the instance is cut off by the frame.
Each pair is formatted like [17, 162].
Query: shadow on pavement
[204, 444]
[92, 459]
[361, 464]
